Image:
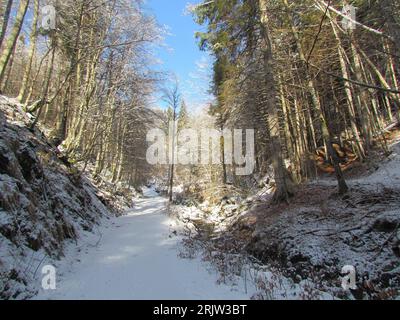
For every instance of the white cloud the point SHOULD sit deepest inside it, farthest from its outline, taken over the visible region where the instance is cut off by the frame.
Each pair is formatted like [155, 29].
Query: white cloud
[196, 89]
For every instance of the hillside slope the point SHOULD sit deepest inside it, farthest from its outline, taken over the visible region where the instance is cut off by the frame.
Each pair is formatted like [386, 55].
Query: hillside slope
[311, 239]
[44, 203]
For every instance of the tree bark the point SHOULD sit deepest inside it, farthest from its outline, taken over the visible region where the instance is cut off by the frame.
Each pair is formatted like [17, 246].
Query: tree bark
[32, 50]
[6, 18]
[13, 37]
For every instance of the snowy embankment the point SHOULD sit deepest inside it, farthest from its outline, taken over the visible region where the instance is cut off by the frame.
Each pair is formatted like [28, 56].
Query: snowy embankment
[311, 239]
[45, 203]
[136, 257]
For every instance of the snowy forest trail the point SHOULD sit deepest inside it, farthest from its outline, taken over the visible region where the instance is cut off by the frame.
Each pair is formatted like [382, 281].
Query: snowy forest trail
[137, 258]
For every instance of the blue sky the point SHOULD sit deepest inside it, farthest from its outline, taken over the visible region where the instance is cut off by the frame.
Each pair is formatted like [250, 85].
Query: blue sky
[181, 54]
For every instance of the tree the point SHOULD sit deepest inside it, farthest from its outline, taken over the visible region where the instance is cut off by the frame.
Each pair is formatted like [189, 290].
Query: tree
[183, 117]
[6, 18]
[89, 82]
[32, 44]
[173, 99]
[13, 37]
[249, 21]
[318, 95]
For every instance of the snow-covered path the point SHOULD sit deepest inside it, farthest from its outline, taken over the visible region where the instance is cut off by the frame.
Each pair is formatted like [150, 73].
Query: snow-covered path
[137, 258]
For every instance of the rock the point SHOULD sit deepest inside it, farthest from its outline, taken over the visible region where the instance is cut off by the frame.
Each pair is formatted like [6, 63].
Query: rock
[30, 165]
[4, 162]
[35, 244]
[396, 248]
[386, 224]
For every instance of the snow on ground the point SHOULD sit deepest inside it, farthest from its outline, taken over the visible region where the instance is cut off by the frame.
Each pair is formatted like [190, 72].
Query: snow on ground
[137, 258]
[44, 203]
[388, 174]
[258, 280]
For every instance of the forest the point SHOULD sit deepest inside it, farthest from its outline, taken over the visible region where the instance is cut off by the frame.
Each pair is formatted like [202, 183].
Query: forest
[315, 83]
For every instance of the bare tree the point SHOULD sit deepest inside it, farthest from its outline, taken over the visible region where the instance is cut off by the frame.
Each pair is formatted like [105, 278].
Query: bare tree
[173, 99]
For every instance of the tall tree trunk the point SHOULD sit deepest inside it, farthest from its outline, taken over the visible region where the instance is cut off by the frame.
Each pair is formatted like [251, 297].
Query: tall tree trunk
[38, 106]
[13, 37]
[6, 18]
[349, 96]
[284, 185]
[32, 50]
[317, 108]
[5, 84]
[172, 158]
[391, 10]
[223, 156]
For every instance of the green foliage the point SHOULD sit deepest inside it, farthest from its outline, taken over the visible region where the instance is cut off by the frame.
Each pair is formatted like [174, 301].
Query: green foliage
[183, 117]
